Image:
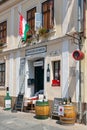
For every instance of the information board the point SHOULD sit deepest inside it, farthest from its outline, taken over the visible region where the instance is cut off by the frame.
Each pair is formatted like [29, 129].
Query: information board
[56, 103]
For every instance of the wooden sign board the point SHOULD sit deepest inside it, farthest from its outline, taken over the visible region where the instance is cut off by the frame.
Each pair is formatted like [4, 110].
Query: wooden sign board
[56, 103]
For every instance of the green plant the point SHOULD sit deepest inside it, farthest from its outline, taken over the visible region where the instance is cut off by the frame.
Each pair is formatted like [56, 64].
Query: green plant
[42, 31]
[29, 36]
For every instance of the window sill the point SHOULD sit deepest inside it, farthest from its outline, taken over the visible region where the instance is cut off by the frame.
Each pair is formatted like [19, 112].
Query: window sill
[2, 88]
[4, 45]
[55, 85]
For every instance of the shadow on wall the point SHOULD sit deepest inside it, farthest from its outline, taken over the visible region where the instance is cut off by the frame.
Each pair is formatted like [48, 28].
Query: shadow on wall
[71, 82]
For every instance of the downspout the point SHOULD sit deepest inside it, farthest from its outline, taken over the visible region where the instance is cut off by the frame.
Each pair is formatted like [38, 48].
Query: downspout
[80, 29]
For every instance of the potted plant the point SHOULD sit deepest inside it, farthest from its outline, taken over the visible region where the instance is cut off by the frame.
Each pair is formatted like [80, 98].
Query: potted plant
[42, 31]
[29, 38]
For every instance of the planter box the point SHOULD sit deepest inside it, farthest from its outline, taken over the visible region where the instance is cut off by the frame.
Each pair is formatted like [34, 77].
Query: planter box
[55, 82]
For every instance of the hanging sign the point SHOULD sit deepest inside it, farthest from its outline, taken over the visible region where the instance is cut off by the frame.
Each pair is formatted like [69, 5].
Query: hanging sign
[38, 21]
[78, 55]
[38, 63]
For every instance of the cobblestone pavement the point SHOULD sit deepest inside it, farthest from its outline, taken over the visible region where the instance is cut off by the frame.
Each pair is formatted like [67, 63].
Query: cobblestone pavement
[27, 121]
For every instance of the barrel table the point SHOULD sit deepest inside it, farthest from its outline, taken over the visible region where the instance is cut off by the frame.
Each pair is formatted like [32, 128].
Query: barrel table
[69, 115]
[42, 109]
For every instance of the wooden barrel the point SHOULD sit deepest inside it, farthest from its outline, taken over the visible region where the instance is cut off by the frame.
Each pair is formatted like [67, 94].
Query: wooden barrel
[69, 115]
[42, 109]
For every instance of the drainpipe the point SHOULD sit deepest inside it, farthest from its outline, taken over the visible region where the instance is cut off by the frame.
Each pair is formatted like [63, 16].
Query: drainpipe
[80, 29]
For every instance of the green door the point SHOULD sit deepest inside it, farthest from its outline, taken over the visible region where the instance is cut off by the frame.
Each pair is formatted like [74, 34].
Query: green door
[39, 78]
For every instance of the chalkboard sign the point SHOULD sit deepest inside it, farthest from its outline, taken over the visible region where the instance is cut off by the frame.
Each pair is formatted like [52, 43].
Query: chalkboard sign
[56, 103]
[19, 102]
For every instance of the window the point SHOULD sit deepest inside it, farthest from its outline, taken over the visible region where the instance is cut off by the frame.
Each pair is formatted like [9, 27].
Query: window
[31, 20]
[56, 70]
[3, 32]
[48, 14]
[56, 73]
[2, 74]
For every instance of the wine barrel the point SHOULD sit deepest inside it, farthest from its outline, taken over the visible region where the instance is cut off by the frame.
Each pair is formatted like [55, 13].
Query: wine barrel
[69, 115]
[42, 109]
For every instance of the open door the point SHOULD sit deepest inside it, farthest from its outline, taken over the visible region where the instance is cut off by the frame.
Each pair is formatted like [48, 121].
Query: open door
[39, 78]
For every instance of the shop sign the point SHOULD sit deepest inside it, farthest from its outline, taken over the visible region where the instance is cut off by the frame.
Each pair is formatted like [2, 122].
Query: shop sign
[37, 50]
[38, 63]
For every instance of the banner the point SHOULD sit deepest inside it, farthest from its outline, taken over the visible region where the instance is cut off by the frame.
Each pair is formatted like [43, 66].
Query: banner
[38, 21]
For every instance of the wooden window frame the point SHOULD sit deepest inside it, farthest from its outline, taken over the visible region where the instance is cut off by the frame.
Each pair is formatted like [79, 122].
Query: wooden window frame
[31, 20]
[2, 73]
[56, 73]
[3, 32]
[56, 70]
[50, 15]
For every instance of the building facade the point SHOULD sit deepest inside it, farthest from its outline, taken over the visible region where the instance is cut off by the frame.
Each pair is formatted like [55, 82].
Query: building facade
[44, 61]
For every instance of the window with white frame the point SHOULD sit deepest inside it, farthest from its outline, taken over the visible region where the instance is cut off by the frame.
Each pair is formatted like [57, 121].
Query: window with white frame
[56, 70]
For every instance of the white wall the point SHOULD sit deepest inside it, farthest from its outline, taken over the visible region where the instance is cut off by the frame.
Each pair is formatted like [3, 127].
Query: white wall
[65, 69]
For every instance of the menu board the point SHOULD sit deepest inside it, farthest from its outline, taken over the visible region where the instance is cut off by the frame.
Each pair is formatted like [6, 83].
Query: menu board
[19, 102]
[56, 103]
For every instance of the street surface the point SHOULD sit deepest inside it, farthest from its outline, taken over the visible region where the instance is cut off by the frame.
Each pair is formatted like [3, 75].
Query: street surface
[27, 121]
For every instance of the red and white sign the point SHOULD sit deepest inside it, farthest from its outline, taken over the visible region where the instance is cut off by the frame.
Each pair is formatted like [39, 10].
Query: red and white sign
[61, 111]
[78, 55]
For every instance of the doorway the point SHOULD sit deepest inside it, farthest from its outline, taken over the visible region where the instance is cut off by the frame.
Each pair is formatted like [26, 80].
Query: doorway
[39, 78]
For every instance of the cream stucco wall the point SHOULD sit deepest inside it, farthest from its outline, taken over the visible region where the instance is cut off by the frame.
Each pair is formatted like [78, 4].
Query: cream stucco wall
[84, 64]
[62, 50]
[52, 91]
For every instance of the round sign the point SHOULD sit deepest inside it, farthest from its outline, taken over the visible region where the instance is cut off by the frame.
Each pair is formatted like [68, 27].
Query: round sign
[78, 55]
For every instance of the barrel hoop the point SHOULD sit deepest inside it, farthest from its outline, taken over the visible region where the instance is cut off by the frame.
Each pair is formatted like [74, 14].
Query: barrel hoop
[41, 117]
[38, 103]
[68, 108]
[67, 118]
[41, 105]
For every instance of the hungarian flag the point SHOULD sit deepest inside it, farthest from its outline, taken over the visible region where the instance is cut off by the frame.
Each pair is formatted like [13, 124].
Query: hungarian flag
[23, 28]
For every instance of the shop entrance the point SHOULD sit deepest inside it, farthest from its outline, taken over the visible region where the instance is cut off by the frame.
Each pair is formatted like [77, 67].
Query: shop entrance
[39, 78]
